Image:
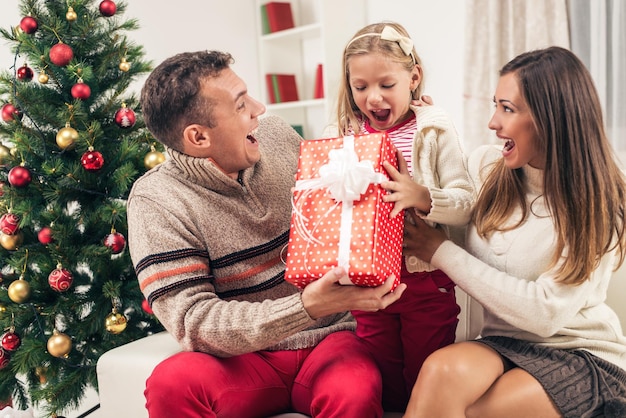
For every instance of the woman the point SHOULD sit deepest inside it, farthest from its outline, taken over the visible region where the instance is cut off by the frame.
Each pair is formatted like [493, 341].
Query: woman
[547, 232]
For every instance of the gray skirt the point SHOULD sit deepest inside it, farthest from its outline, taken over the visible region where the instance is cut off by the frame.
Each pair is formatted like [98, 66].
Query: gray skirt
[580, 384]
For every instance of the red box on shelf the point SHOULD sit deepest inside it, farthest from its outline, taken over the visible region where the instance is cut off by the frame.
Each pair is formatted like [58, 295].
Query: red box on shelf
[281, 88]
[318, 91]
[279, 16]
[337, 222]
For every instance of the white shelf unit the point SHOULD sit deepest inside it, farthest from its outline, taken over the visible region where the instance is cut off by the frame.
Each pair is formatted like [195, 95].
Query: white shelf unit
[322, 29]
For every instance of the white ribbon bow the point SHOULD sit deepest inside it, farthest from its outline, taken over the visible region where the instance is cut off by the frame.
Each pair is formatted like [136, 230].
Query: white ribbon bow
[390, 34]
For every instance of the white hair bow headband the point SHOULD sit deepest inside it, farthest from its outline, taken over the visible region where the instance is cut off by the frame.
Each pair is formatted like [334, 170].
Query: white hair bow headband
[390, 34]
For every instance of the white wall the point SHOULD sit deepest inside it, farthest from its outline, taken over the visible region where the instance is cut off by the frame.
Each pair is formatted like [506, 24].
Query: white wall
[189, 25]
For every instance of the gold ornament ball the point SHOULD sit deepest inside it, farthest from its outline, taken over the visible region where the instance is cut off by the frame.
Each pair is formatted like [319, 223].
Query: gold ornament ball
[115, 323]
[11, 242]
[124, 65]
[5, 153]
[3, 310]
[43, 78]
[59, 345]
[153, 158]
[19, 291]
[67, 137]
[71, 15]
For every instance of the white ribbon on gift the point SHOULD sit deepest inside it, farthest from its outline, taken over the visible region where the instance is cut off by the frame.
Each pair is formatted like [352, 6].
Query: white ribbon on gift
[346, 179]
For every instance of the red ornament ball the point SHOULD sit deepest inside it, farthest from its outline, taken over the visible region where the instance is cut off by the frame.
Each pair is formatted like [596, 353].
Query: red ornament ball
[125, 117]
[116, 242]
[45, 235]
[61, 54]
[10, 113]
[107, 8]
[146, 307]
[92, 160]
[19, 176]
[9, 223]
[5, 356]
[25, 73]
[11, 341]
[81, 91]
[60, 279]
[29, 25]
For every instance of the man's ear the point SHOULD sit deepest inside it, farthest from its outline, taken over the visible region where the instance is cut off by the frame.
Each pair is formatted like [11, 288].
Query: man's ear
[196, 139]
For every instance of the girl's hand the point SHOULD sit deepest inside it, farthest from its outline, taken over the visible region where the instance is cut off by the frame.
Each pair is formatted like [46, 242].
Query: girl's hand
[403, 191]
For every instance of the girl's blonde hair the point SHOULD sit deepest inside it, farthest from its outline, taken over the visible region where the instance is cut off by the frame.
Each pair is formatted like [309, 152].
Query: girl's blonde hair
[584, 188]
[365, 41]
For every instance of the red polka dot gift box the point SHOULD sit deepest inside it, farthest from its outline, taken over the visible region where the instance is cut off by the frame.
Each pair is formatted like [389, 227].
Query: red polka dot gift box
[338, 216]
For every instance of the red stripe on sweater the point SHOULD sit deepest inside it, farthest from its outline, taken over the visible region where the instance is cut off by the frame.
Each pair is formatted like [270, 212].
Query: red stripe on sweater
[170, 273]
[253, 271]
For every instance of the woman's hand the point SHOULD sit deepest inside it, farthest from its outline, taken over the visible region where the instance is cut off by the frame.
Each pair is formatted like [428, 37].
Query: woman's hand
[420, 239]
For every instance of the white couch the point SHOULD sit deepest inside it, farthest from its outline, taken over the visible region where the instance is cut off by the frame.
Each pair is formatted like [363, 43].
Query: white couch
[122, 372]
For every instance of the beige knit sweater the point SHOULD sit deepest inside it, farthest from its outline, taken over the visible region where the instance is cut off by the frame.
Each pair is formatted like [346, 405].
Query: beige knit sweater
[207, 251]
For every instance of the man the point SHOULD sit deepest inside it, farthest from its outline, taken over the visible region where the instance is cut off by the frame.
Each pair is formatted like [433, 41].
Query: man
[207, 229]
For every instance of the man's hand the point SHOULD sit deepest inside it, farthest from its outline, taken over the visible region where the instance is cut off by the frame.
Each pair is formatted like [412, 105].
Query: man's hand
[326, 296]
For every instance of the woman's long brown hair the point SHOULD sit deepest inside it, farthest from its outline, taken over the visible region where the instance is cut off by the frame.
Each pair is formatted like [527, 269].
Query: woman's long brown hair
[583, 185]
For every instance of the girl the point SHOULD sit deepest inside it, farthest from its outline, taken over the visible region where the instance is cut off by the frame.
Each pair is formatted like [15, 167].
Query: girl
[547, 233]
[383, 74]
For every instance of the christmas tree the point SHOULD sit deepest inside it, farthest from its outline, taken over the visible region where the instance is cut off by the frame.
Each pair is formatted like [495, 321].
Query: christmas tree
[72, 143]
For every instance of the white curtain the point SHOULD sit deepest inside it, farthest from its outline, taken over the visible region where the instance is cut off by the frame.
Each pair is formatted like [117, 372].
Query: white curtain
[497, 31]
[598, 37]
